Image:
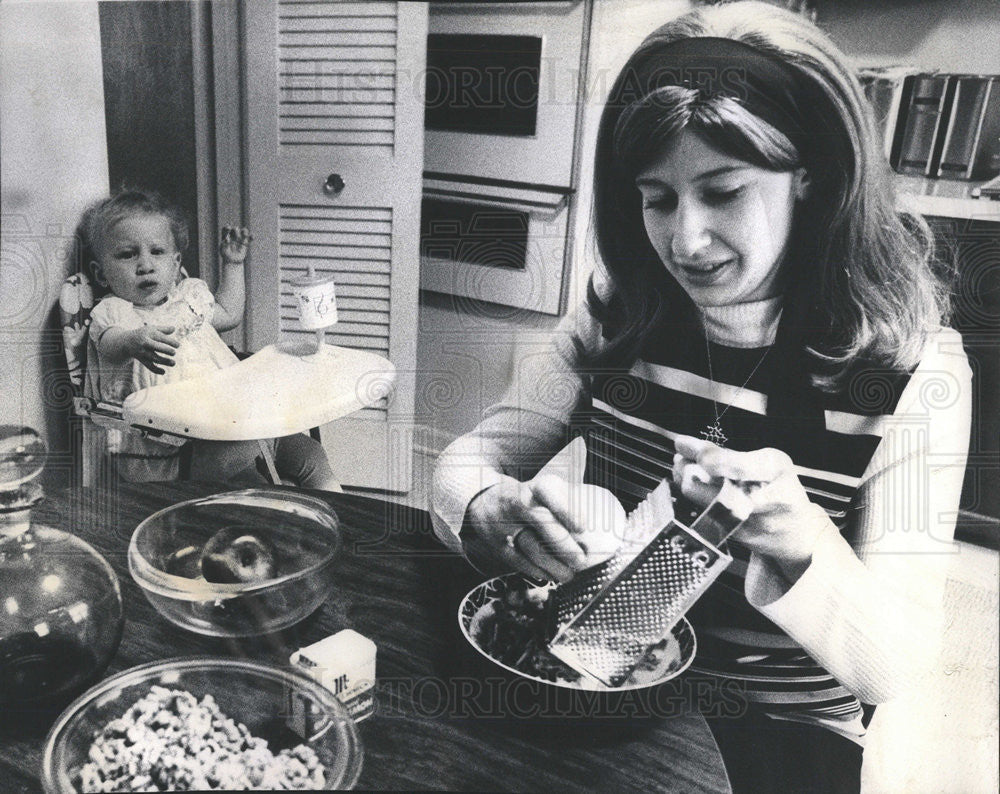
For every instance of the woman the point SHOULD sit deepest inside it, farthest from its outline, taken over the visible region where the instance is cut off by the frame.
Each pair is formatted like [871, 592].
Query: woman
[766, 315]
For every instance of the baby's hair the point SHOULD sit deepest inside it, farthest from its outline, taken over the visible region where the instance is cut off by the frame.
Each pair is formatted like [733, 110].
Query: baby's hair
[102, 216]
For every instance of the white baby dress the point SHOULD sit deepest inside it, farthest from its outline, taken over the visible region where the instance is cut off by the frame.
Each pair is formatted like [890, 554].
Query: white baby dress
[188, 309]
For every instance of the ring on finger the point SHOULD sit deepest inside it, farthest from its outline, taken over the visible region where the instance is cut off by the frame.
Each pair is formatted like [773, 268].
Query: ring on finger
[512, 538]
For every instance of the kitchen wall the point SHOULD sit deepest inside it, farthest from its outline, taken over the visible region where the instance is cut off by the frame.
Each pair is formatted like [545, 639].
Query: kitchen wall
[951, 35]
[53, 162]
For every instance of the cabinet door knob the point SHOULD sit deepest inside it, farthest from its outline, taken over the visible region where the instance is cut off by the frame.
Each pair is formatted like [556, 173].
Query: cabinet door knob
[333, 185]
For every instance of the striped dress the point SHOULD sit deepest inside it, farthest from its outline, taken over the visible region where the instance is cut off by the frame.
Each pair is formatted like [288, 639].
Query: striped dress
[867, 458]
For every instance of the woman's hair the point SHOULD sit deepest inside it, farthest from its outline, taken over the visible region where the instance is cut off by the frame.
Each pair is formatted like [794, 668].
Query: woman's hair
[860, 282]
[102, 216]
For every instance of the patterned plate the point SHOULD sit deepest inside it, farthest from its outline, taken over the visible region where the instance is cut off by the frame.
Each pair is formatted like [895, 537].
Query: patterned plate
[680, 645]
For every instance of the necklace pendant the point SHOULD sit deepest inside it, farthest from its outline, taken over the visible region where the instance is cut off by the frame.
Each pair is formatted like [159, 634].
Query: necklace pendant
[713, 433]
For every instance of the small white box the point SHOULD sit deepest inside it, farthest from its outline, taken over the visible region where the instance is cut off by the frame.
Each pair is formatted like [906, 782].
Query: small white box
[345, 664]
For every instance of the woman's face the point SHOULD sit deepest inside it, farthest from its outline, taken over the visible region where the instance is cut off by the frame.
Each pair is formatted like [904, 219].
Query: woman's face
[719, 224]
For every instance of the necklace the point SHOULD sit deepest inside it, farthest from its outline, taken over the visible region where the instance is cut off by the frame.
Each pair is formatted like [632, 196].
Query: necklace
[713, 432]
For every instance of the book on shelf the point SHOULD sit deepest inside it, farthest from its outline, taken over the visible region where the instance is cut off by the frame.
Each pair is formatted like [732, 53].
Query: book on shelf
[924, 120]
[971, 145]
[886, 89]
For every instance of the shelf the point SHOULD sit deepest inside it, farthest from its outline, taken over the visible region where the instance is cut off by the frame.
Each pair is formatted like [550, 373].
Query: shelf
[945, 198]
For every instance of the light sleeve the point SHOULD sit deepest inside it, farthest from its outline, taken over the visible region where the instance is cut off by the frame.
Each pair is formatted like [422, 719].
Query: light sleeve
[107, 376]
[111, 312]
[198, 296]
[518, 435]
[869, 608]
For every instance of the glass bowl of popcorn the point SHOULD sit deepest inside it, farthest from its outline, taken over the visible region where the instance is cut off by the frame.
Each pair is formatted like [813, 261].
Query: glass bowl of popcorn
[203, 724]
[237, 564]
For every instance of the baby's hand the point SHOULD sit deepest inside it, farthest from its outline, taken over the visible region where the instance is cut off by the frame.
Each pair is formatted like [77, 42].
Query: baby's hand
[153, 346]
[235, 242]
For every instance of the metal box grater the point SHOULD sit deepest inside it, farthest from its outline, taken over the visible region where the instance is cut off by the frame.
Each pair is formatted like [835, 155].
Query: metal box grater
[608, 617]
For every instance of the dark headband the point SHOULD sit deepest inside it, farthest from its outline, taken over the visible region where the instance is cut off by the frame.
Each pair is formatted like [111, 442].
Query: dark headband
[762, 83]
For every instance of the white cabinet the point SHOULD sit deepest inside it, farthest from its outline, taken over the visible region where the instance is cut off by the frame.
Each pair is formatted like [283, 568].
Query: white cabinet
[333, 154]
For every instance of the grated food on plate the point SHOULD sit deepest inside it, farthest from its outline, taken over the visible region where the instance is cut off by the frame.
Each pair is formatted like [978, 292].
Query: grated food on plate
[515, 629]
[171, 741]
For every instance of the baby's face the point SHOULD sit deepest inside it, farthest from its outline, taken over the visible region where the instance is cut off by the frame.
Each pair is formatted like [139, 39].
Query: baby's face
[139, 260]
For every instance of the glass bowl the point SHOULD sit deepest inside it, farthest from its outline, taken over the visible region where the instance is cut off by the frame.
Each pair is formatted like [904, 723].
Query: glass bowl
[276, 557]
[61, 619]
[285, 708]
[666, 661]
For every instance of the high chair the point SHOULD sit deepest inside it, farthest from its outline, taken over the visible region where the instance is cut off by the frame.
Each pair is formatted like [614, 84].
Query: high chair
[259, 398]
[77, 298]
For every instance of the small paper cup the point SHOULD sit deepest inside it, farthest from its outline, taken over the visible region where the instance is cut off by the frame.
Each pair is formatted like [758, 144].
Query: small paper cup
[317, 299]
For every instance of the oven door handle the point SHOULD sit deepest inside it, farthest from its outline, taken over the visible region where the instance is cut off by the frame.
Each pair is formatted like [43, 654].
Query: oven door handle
[543, 203]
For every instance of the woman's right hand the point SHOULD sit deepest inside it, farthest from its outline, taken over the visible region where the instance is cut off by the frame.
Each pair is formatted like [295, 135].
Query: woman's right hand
[153, 346]
[547, 528]
[511, 525]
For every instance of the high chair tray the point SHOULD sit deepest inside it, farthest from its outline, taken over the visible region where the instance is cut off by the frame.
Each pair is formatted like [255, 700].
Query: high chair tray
[280, 390]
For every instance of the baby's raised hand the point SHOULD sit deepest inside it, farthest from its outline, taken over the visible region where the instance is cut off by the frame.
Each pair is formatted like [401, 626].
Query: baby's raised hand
[235, 242]
[153, 346]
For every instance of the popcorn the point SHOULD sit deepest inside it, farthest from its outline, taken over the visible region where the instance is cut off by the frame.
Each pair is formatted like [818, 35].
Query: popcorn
[169, 740]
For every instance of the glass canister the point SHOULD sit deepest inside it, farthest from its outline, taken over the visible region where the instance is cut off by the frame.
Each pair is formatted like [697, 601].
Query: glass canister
[61, 614]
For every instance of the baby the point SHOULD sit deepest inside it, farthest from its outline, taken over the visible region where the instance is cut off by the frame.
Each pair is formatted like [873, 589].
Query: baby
[158, 326]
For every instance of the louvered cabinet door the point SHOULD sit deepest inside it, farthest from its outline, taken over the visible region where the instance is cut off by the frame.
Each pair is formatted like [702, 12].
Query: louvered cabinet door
[335, 94]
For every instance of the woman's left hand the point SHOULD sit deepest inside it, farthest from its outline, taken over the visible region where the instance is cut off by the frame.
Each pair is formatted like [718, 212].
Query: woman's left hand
[784, 525]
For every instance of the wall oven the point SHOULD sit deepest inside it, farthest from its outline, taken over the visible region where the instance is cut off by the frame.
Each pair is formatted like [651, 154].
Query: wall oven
[502, 90]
